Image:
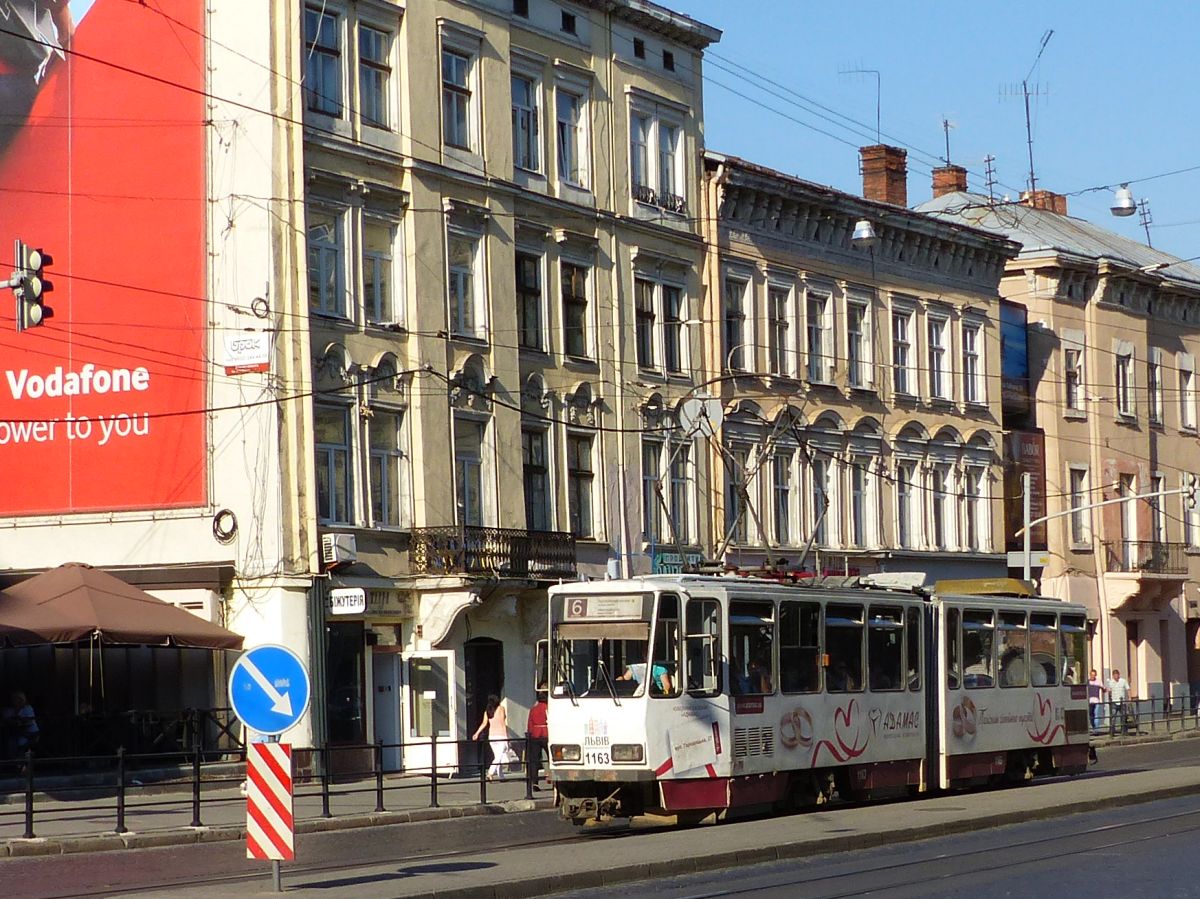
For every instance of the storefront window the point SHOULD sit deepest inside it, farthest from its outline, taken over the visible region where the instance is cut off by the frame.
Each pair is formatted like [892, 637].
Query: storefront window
[344, 682]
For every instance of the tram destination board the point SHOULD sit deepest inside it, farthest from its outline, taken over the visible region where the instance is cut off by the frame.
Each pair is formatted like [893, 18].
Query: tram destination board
[589, 608]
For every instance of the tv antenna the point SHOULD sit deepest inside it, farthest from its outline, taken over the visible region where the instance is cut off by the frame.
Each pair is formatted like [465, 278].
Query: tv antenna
[990, 175]
[1035, 91]
[878, 92]
[946, 126]
[1146, 219]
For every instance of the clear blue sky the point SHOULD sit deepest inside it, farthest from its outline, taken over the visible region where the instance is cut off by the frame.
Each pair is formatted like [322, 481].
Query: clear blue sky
[1122, 100]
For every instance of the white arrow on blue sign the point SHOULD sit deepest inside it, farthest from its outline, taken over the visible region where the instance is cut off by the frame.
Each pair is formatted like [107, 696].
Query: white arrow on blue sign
[269, 689]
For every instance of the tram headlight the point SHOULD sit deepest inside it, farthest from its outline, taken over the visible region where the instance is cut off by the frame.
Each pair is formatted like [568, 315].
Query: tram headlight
[627, 752]
[565, 752]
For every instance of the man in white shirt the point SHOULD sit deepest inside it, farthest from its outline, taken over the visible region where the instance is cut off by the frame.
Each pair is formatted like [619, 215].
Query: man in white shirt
[1118, 695]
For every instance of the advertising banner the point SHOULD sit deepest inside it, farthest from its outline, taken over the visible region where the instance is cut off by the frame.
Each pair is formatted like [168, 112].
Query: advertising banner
[102, 166]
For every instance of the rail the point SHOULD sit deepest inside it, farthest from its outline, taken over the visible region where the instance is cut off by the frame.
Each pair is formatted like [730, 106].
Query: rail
[1146, 557]
[500, 552]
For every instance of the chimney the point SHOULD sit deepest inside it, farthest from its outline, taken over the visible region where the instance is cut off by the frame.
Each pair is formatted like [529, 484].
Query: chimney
[1045, 199]
[949, 179]
[885, 174]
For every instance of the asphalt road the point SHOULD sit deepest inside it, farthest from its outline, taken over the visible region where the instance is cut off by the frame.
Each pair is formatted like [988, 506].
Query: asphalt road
[380, 856]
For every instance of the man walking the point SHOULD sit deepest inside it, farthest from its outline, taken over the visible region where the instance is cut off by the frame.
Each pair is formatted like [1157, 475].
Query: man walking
[1118, 695]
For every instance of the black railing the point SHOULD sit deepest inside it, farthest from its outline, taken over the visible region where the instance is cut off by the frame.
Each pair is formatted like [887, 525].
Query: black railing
[498, 552]
[1146, 556]
[671, 202]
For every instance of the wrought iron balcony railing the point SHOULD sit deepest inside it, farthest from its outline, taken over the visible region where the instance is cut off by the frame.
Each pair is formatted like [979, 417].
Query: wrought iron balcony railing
[670, 202]
[1146, 557]
[496, 552]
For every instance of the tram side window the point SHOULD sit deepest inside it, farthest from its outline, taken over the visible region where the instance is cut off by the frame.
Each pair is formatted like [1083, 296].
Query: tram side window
[885, 648]
[541, 666]
[953, 649]
[703, 647]
[978, 631]
[1043, 646]
[1012, 647]
[912, 650]
[1072, 631]
[664, 663]
[752, 648]
[843, 648]
[799, 647]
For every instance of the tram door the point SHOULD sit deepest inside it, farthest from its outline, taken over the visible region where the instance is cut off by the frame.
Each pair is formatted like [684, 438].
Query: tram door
[429, 710]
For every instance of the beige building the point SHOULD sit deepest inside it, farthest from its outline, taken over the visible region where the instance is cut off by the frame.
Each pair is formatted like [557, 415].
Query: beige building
[501, 201]
[1113, 338]
[858, 374]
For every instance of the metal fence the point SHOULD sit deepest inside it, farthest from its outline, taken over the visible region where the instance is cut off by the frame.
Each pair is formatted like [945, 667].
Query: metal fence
[113, 791]
[1137, 717]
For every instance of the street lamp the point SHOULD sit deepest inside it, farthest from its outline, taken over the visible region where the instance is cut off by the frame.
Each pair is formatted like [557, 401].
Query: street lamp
[1123, 203]
[864, 234]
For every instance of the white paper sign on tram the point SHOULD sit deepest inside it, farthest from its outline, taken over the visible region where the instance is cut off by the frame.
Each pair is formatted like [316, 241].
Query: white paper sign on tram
[614, 607]
[692, 745]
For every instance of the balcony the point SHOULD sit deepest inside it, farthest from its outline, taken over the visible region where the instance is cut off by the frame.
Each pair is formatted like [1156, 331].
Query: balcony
[1146, 557]
[670, 202]
[494, 552]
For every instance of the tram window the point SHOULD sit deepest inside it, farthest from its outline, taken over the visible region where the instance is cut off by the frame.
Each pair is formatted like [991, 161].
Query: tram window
[885, 648]
[541, 666]
[912, 650]
[1072, 630]
[607, 660]
[1043, 646]
[664, 663]
[751, 648]
[978, 631]
[953, 649]
[843, 648]
[799, 647]
[703, 647]
[1012, 646]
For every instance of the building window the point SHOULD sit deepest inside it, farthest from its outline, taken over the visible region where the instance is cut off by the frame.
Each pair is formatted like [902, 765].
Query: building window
[575, 309]
[1125, 384]
[668, 60]
[639, 48]
[779, 329]
[939, 375]
[819, 339]
[456, 99]
[735, 324]
[374, 76]
[378, 283]
[521, 8]
[655, 161]
[323, 62]
[681, 491]
[568, 22]
[903, 379]
[536, 470]
[529, 302]
[468, 471]
[1073, 378]
[972, 369]
[907, 505]
[781, 490]
[652, 451]
[736, 525]
[643, 292]
[858, 345]
[822, 501]
[332, 440]
[658, 320]
[1154, 389]
[974, 509]
[572, 142]
[526, 136]
[579, 484]
[942, 518]
[326, 263]
[465, 283]
[672, 303]
[1187, 399]
[1080, 517]
[860, 503]
[385, 467]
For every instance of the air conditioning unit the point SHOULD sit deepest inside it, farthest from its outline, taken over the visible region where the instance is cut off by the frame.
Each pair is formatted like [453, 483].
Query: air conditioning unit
[338, 549]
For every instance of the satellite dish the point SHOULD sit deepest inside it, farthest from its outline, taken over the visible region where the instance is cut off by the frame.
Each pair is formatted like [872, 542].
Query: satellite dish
[701, 413]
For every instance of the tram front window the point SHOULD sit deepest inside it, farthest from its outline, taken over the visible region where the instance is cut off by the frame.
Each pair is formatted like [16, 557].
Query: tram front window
[601, 660]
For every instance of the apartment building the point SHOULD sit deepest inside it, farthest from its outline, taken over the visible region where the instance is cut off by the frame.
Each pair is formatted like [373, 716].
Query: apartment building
[1112, 339]
[501, 205]
[855, 351]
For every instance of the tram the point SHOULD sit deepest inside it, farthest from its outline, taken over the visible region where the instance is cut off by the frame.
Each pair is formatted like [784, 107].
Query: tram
[693, 697]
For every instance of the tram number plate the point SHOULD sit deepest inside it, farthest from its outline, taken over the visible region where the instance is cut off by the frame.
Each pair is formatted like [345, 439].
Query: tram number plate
[596, 751]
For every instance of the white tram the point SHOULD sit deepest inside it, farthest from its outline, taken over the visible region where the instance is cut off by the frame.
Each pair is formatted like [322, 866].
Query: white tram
[691, 696]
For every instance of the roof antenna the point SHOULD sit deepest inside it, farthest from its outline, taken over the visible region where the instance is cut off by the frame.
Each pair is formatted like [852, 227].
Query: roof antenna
[1026, 93]
[946, 126]
[990, 174]
[878, 92]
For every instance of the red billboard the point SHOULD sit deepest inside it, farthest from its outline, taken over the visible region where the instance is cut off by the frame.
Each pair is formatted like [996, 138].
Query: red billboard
[102, 166]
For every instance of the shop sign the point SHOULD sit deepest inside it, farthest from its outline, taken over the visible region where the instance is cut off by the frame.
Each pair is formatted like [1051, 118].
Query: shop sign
[347, 601]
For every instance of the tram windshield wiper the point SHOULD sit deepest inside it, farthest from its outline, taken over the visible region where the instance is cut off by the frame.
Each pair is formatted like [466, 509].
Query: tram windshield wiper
[602, 669]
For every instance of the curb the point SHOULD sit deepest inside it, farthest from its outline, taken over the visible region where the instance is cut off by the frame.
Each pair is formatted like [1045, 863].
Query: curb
[607, 878]
[108, 842]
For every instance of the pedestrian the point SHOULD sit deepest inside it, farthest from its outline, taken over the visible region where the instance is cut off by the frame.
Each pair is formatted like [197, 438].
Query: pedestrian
[538, 734]
[20, 725]
[495, 724]
[1118, 694]
[1096, 701]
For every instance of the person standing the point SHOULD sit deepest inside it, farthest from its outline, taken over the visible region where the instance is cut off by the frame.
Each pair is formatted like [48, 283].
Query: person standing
[495, 723]
[21, 722]
[539, 736]
[1096, 701]
[1118, 695]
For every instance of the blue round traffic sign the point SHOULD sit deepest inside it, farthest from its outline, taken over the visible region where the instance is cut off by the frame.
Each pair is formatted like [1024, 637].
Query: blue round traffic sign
[269, 689]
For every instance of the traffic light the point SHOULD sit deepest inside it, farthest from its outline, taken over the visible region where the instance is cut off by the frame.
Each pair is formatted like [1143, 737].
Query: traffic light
[1192, 483]
[29, 286]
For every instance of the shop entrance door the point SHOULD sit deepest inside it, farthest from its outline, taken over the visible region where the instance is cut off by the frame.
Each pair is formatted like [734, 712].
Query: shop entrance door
[385, 669]
[429, 709]
[483, 674]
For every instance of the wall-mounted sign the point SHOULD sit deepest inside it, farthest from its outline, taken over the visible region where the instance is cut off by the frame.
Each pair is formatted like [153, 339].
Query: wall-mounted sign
[247, 352]
[347, 601]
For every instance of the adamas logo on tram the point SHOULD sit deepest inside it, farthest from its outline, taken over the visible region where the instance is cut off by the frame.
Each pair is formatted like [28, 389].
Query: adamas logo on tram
[694, 697]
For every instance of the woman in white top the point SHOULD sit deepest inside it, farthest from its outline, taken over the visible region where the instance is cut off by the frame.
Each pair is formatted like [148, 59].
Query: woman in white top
[495, 722]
